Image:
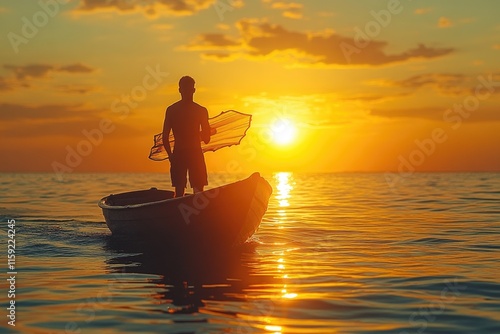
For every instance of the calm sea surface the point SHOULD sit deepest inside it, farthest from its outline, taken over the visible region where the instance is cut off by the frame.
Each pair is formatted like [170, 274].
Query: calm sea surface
[335, 253]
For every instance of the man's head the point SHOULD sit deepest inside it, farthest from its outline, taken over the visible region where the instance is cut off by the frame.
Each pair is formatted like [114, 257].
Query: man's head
[186, 87]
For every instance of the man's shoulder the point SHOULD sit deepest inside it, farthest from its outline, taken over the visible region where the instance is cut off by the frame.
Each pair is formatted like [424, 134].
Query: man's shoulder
[199, 106]
[179, 104]
[174, 106]
[201, 110]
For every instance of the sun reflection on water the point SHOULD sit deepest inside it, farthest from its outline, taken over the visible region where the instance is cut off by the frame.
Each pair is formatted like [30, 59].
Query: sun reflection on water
[273, 329]
[284, 181]
[284, 188]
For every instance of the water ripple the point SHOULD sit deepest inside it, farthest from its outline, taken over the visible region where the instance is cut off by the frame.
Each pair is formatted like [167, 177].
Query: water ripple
[335, 253]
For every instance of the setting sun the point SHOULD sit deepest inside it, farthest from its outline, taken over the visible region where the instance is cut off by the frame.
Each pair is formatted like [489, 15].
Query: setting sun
[283, 132]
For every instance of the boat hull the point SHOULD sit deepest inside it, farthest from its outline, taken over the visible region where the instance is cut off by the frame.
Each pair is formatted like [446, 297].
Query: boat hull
[224, 216]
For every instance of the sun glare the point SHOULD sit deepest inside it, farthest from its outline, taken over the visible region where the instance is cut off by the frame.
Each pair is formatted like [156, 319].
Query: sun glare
[283, 132]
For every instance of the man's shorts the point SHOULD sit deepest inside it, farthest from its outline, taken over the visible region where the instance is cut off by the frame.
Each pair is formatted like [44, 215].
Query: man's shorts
[191, 160]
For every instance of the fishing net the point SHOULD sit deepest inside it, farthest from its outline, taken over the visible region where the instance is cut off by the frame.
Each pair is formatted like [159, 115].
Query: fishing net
[227, 129]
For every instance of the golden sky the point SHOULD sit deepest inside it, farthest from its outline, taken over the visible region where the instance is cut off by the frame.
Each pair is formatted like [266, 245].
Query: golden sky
[332, 86]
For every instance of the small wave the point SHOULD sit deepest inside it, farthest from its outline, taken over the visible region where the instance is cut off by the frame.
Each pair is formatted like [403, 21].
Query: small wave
[47, 220]
[51, 250]
[475, 199]
[431, 241]
[484, 248]
[493, 192]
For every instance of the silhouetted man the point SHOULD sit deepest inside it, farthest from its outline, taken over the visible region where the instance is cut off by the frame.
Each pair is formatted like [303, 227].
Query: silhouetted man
[185, 118]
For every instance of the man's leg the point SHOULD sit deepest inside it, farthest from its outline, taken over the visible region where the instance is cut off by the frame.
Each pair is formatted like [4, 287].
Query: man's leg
[178, 174]
[179, 192]
[198, 189]
[197, 171]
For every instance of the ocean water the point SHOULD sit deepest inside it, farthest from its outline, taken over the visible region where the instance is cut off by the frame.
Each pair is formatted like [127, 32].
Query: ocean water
[335, 253]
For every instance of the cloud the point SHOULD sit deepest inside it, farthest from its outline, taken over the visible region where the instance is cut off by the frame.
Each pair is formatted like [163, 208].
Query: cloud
[21, 75]
[433, 113]
[21, 112]
[75, 89]
[372, 98]
[20, 120]
[76, 68]
[486, 114]
[211, 41]
[148, 7]
[42, 70]
[260, 40]
[219, 56]
[6, 84]
[29, 71]
[448, 84]
[24, 121]
[290, 10]
[451, 84]
[444, 22]
[441, 79]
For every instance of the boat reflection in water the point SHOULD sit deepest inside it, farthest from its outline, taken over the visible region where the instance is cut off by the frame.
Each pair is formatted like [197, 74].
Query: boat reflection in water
[182, 281]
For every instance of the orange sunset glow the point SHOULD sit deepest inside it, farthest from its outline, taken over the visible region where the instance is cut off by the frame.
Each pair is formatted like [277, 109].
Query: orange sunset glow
[332, 86]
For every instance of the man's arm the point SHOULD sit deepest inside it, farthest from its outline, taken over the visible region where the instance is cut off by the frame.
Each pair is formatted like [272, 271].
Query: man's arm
[167, 127]
[205, 127]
